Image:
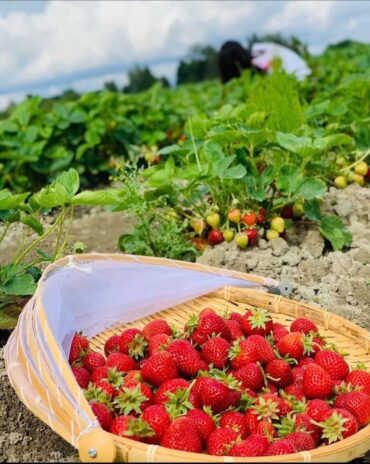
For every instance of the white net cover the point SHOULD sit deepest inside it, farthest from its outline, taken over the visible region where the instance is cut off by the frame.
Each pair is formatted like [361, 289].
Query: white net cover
[92, 296]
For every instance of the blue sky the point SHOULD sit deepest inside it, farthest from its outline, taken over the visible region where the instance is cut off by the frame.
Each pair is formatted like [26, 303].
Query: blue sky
[46, 47]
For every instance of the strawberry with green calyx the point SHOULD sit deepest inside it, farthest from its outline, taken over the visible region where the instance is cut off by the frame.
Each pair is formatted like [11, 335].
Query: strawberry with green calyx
[102, 413]
[294, 394]
[111, 345]
[267, 406]
[79, 347]
[132, 342]
[133, 399]
[155, 327]
[303, 441]
[242, 352]
[295, 345]
[251, 376]
[257, 322]
[316, 409]
[215, 351]
[247, 399]
[121, 362]
[107, 388]
[158, 419]
[82, 376]
[249, 218]
[234, 215]
[99, 394]
[185, 356]
[203, 421]
[92, 361]
[361, 379]
[132, 377]
[198, 225]
[253, 446]
[333, 363]
[100, 373]
[158, 343]
[215, 394]
[159, 368]
[281, 447]
[213, 220]
[258, 426]
[200, 328]
[221, 441]
[174, 393]
[317, 383]
[336, 425]
[131, 427]
[235, 421]
[263, 349]
[182, 435]
[357, 403]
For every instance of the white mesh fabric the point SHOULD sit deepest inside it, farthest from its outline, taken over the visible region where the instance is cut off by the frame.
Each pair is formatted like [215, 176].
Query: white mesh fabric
[94, 295]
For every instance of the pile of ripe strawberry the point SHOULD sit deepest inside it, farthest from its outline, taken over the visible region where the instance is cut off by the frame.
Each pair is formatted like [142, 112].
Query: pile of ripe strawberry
[238, 386]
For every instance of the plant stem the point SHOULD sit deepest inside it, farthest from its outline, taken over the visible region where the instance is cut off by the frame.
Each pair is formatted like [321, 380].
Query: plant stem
[6, 228]
[60, 231]
[356, 162]
[65, 241]
[194, 146]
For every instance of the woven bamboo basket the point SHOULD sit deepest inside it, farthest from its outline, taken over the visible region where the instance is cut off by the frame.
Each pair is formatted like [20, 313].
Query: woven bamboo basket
[39, 371]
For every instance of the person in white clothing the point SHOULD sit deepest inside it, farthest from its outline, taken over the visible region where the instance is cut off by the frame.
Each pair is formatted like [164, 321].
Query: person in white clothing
[233, 58]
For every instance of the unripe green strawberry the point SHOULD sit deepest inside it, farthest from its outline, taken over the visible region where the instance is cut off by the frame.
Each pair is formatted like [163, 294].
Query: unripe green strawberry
[298, 210]
[213, 220]
[278, 224]
[242, 240]
[340, 182]
[198, 225]
[228, 235]
[361, 168]
[234, 215]
[272, 234]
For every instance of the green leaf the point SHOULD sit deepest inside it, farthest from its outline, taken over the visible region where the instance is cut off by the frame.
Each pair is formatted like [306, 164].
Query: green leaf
[235, 172]
[96, 197]
[31, 222]
[20, 285]
[43, 254]
[332, 140]
[9, 201]
[311, 188]
[300, 145]
[60, 192]
[333, 229]
[289, 180]
[312, 210]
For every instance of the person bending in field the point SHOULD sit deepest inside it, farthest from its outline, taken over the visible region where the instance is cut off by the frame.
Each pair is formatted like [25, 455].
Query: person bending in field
[233, 58]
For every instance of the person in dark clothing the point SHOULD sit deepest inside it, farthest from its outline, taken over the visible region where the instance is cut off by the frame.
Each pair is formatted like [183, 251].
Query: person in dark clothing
[232, 59]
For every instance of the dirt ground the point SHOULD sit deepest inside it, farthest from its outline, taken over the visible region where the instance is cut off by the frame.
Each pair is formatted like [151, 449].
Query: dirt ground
[334, 280]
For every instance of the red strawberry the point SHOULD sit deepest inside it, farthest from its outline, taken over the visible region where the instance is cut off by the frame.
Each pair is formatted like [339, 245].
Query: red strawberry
[252, 235]
[257, 322]
[79, 347]
[265, 353]
[235, 329]
[215, 351]
[185, 356]
[357, 403]
[295, 345]
[100, 373]
[337, 424]
[220, 441]
[158, 343]
[249, 218]
[131, 427]
[205, 326]
[251, 376]
[106, 388]
[121, 362]
[236, 317]
[132, 377]
[169, 386]
[316, 409]
[278, 331]
[182, 435]
[155, 327]
[305, 362]
[235, 421]
[203, 422]
[158, 419]
[317, 383]
[270, 388]
[102, 413]
[132, 342]
[134, 398]
[360, 378]
[159, 368]
[92, 361]
[294, 391]
[82, 376]
[111, 345]
[280, 447]
[256, 425]
[279, 372]
[242, 352]
[215, 237]
[268, 406]
[266, 429]
[254, 445]
[303, 423]
[215, 394]
[303, 325]
[303, 441]
[333, 363]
